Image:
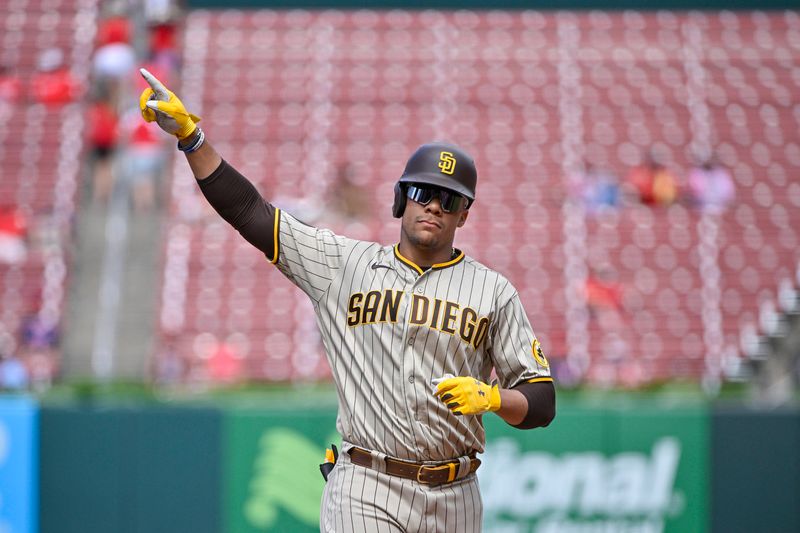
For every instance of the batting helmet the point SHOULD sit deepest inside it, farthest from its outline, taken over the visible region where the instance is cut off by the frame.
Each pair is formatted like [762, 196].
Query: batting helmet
[440, 164]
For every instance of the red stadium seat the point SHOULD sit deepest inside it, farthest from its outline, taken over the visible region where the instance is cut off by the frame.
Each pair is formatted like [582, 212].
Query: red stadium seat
[39, 151]
[365, 88]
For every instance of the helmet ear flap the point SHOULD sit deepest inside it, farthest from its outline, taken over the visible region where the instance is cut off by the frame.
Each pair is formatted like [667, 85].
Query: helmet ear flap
[399, 204]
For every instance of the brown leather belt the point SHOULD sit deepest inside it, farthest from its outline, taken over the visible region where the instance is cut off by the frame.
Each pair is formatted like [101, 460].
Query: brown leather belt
[437, 474]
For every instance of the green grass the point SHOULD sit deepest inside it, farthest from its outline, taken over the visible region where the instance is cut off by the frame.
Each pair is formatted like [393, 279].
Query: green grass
[292, 396]
[242, 395]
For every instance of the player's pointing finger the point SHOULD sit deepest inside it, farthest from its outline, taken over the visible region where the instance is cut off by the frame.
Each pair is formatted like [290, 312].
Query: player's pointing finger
[164, 107]
[161, 92]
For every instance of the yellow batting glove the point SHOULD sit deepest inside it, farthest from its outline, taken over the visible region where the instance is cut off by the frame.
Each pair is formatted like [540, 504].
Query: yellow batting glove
[159, 104]
[467, 396]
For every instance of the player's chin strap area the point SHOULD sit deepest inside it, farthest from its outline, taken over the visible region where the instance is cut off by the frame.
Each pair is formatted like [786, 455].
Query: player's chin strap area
[425, 473]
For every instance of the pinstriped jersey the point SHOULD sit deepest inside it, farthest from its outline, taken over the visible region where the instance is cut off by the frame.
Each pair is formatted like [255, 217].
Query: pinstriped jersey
[389, 328]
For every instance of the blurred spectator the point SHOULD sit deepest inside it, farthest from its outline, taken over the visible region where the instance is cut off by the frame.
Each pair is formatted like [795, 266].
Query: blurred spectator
[224, 364]
[102, 136]
[10, 85]
[563, 372]
[13, 374]
[215, 359]
[13, 235]
[161, 17]
[170, 366]
[39, 337]
[598, 189]
[346, 205]
[342, 206]
[142, 160]
[39, 332]
[711, 186]
[653, 183]
[53, 83]
[603, 291]
[114, 58]
[164, 46]
[115, 28]
[113, 64]
[160, 11]
[349, 198]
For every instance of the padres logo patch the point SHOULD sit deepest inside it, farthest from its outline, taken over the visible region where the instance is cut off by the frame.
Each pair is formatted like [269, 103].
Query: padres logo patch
[447, 163]
[538, 354]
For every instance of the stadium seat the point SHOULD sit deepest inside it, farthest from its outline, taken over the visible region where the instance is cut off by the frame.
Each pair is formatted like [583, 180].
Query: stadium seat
[364, 88]
[40, 147]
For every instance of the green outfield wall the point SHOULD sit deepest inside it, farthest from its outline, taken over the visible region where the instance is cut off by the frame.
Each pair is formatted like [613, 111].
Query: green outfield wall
[630, 465]
[135, 468]
[755, 461]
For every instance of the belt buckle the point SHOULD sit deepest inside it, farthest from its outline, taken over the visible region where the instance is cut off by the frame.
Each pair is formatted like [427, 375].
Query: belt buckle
[419, 473]
[430, 468]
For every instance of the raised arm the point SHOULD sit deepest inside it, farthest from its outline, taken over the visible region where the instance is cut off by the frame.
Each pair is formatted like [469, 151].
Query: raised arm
[228, 192]
[203, 161]
[159, 104]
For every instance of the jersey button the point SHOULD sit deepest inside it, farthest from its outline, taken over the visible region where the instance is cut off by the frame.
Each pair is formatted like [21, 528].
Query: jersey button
[419, 290]
[411, 379]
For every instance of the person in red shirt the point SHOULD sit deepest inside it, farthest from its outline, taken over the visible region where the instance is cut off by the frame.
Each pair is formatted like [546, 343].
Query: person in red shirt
[164, 46]
[54, 84]
[653, 183]
[114, 58]
[13, 234]
[114, 29]
[102, 136]
[603, 291]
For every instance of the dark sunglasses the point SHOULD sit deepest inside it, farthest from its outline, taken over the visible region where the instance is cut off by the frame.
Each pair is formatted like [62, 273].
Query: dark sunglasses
[450, 201]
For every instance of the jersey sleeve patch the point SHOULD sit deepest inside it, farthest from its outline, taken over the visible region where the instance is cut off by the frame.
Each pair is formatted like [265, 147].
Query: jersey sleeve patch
[538, 354]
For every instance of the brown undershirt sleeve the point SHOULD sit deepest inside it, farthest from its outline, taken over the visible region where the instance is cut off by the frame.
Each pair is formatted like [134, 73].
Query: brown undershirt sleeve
[541, 398]
[241, 205]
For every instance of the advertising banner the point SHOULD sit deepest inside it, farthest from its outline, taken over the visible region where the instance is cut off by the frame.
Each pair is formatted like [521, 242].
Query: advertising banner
[271, 467]
[642, 470]
[18, 468]
[594, 470]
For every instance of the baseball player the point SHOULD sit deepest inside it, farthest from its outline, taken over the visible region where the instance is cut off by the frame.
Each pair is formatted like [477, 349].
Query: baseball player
[412, 333]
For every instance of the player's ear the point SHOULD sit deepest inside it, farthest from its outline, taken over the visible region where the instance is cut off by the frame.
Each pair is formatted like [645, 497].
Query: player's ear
[462, 219]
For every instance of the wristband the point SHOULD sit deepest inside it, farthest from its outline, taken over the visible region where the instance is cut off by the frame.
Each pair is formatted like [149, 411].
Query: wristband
[198, 142]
